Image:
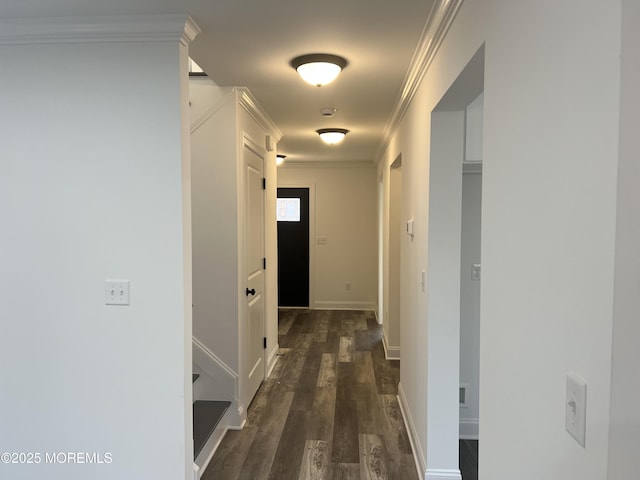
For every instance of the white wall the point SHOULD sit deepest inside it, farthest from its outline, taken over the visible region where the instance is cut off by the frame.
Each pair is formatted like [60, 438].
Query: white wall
[624, 429]
[470, 303]
[94, 184]
[548, 228]
[216, 252]
[345, 214]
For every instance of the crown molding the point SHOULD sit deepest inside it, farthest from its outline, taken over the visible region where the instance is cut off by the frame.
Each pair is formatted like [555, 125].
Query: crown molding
[253, 108]
[327, 164]
[440, 19]
[99, 29]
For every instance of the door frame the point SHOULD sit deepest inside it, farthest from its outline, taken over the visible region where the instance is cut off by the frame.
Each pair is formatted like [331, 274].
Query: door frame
[312, 236]
[243, 335]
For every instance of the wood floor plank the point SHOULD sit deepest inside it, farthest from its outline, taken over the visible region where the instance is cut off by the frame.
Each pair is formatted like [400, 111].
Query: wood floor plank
[362, 340]
[285, 321]
[322, 330]
[264, 446]
[347, 327]
[360, 322]
[260, 402]
[395, 429]
[373, 458]
[230, 456]
[288, 457]
[306, 386]
[327, 372]
[322, 414]
[345, 471]
[345, 427]
[280, 363]
[315, 461]
[345, 354]
[387, 375]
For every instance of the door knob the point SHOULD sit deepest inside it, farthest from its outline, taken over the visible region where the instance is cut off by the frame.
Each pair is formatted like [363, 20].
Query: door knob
[251, 292]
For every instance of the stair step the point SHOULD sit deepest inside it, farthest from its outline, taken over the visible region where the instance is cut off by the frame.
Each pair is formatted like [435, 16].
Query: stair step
[195, 376]
[206, 416]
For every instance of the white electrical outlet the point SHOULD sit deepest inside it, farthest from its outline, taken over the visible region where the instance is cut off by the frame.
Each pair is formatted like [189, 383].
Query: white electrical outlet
[116, 292]
[576, 408]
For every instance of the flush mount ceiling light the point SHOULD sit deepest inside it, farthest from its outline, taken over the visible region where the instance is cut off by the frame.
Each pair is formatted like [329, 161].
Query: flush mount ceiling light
[332, 135]
[319, 68]
[280, 159]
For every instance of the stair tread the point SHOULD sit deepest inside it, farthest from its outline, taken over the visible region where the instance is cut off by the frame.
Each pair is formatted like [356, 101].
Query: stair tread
[206, 416]
[194, 377]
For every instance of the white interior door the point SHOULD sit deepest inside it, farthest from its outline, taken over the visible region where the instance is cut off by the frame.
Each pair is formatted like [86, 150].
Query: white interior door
[253, 161]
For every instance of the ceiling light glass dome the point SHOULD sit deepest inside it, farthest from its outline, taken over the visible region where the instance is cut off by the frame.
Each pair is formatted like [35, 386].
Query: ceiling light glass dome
[319, 68]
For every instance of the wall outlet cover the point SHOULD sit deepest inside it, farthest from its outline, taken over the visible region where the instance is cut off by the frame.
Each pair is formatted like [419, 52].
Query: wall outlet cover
[576, 408]
[116, 292]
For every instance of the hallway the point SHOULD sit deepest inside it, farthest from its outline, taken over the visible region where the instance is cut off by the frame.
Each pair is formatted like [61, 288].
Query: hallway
[329, 409]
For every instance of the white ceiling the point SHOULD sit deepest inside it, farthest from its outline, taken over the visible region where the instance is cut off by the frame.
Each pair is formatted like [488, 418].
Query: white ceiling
[250, 43]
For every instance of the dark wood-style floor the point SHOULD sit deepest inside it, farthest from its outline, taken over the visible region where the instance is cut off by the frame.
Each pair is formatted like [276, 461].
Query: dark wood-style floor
[328, 411]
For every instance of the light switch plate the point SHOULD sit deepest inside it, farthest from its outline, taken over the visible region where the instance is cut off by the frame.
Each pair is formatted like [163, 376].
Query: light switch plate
[576, 408]
[116, 292]
[410, 227]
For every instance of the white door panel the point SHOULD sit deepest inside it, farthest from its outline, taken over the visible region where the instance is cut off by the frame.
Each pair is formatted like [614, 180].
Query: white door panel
[253, 161]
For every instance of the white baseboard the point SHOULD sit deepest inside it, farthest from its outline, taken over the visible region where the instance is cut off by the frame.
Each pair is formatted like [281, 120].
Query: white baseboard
[435, 474]
[391, 353]
[421, 464]
[469, 428]
[340, 305]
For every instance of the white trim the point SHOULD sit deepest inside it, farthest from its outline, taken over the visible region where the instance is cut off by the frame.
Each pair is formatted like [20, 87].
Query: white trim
[418, 456]
[469, 428]
[440, 19]
[253, 108]
[204, 353]
[438, 474]
[99, 29]
[390, 353]
[342, 305]
[368, 163]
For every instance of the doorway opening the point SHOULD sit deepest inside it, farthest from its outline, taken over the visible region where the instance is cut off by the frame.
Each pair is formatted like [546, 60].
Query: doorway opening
[293, 247]
[453, 292]
[391, 337]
